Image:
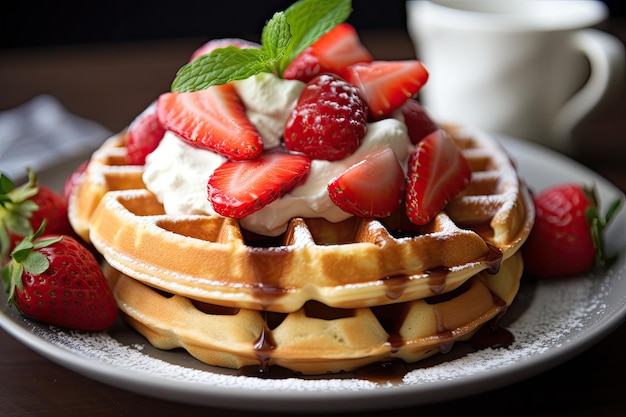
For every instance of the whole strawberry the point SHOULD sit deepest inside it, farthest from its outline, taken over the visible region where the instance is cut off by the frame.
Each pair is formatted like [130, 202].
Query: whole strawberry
[56, 280]
[329, 120]
[23, 209]
[567, 236]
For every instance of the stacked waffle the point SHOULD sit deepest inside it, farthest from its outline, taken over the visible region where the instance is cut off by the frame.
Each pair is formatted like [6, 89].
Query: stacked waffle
[321, 297]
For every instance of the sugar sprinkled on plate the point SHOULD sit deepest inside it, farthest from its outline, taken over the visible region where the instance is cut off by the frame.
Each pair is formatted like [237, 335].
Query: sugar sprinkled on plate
[549, 314]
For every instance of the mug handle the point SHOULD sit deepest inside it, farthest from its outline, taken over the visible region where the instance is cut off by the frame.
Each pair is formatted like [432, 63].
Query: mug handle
[606, 80]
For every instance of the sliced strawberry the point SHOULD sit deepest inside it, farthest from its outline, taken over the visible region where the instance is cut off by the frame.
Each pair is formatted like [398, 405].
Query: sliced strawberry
[372, 187]
[239, 188]
[222, 43]
[418, 123]
[437, 172]
[213, 118]
[332, 52]
[143, 136]
[386, 85]
[328, 121]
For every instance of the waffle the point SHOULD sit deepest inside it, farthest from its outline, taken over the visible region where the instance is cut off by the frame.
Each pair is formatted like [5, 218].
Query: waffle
[356, 263]
[322, 297]
[316, 339]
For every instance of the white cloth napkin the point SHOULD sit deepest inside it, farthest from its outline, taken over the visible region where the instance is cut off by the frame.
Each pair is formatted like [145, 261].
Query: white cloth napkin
[42, 133]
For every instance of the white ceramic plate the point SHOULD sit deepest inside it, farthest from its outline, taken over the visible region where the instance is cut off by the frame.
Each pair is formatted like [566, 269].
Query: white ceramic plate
[552, 321]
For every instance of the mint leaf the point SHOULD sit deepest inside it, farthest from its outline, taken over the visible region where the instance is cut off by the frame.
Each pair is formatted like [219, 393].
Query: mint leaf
[284, 37]
[219, 67]
[276, 37]
[310, 19]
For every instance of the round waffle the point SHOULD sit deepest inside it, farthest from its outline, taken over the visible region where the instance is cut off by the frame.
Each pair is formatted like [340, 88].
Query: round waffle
[316, 339]
[352, 264]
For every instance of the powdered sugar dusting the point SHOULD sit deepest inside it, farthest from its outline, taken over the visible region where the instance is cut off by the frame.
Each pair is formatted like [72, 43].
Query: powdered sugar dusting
[130, 357]
[560, 312]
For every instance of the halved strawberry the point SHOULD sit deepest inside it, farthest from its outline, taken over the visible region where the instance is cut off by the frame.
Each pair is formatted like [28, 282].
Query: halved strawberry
[372, 187]
[437, 172]
[213, 118]
[222, 43]
[332, 52]
[143, 136]
[418, 122]
[386, 85]
[239, 188]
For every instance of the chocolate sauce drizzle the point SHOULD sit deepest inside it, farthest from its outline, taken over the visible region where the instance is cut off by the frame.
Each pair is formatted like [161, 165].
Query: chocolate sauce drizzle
[391, 316]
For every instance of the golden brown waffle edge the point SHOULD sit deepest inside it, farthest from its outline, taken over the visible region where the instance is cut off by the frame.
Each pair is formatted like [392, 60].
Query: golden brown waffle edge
[351, 264]
[316, 339]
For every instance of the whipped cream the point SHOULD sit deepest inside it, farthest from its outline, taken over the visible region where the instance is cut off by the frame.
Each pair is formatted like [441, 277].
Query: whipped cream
[177, 173]
[269, 101]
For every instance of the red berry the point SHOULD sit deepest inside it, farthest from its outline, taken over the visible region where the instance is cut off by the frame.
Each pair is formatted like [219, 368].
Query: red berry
[386, 85]
[239, 188]
[332, 52]
[566, 238]
[214, 119]
[437, 172]
[143, 136]
[23, 209]
[56, 280]
[329, 120]
[73, 180]
[371, 188]
[53, 208]
[418, 123]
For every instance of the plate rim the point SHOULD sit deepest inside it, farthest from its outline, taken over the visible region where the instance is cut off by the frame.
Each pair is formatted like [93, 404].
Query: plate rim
[341, 400]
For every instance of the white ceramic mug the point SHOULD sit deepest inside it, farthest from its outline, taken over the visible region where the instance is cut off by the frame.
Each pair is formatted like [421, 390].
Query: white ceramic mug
[531, 69]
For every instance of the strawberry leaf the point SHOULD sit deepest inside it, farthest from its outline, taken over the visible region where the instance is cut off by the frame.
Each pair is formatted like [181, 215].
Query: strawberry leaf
[25, 257]
[283, 38]
[12, 278]
[6, 277]
[36, 263]
[6, 186]
[597, 225]
[42, 243]
[16, 209]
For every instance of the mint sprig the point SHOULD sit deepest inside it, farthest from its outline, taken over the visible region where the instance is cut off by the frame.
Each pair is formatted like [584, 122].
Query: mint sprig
[284, 37]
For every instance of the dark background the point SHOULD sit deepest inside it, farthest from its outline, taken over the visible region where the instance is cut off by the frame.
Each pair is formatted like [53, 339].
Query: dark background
[47, 23]
[25, 24]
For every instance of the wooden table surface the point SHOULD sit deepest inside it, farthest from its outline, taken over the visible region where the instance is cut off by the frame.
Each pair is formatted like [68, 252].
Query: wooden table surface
[112, 83]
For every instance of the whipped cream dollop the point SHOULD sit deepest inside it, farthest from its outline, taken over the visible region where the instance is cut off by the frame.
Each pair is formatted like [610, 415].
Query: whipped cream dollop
[177, 173]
